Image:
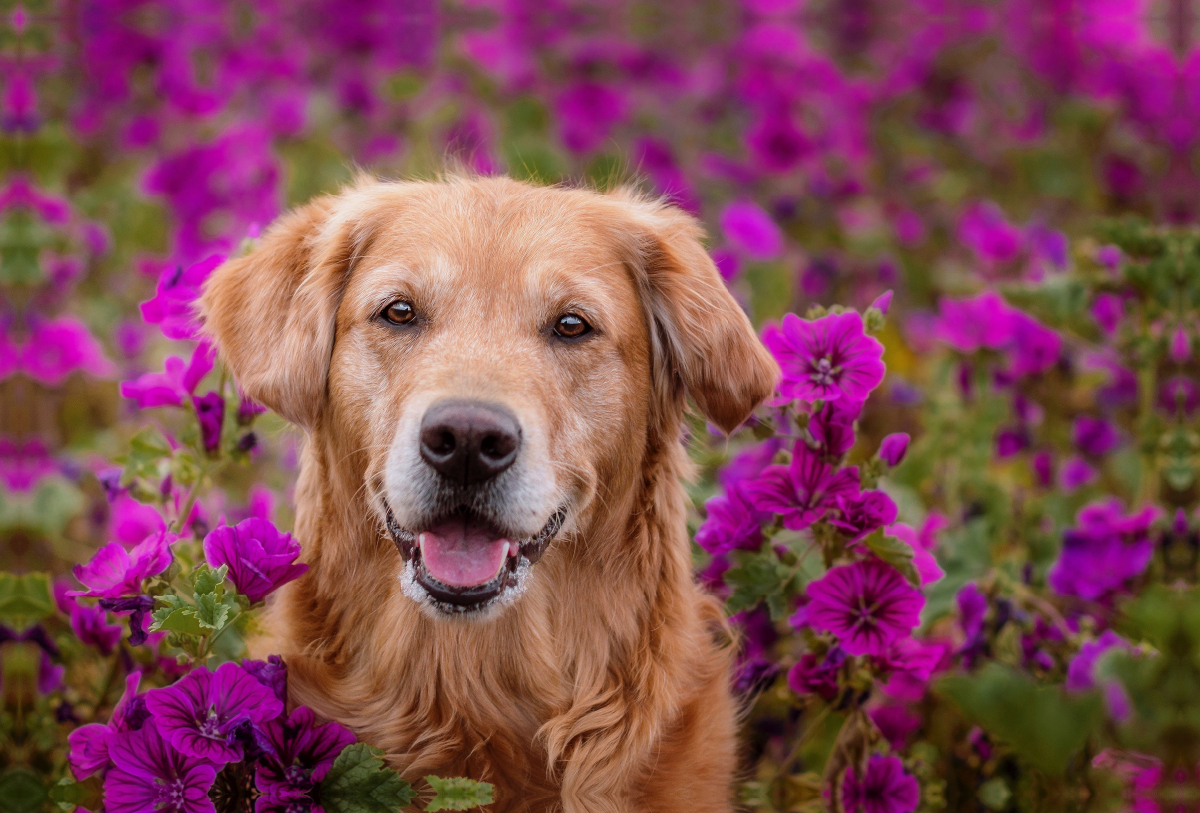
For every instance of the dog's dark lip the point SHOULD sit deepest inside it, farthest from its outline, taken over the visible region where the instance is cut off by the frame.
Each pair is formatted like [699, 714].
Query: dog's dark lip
[460, 599]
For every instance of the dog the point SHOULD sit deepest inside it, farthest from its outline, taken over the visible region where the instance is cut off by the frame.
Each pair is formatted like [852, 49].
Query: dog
[492, 379]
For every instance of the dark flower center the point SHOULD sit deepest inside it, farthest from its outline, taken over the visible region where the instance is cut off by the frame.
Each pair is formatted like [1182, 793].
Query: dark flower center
[211, 726]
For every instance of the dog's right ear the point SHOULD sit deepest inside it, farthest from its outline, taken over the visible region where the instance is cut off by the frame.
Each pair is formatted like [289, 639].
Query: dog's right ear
[273, 311]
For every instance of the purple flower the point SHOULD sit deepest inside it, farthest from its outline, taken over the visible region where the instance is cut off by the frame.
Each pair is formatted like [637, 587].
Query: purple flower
[1181, 346]
[89, 743]
[1109, 256]
[860, 514]
[587, 114]
[972, 607]
[113, 571]
[59, 347]
[922, 543]
[199, 714]
[210, 413]
[1106, 549]
[751, 231]
[137, 607]
[149, 775]
[749, 463]
[775, 142]
[969, 324]
[91, 627]
[802, 491]
[1108, 310]
[893, 448]
[882, 303]
[816, 675]
[984, 230]
[302, 753]
[271, 673]
[827, 359]
[173, 305]
[1036, 348]
[1179, 394]
[886, 788]
[1080, 672]
[867, 605]
[259, 556]
[1094, 436]
[1043, 468]
[176, 384]
[1076, 473]
[733, 523]
[832, 428]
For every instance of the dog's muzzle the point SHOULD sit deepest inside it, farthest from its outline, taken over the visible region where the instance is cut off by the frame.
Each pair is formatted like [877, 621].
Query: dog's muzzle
[462, 564]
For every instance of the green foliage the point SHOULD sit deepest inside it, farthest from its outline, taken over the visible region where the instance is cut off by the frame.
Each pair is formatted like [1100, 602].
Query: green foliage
[458, 794]
[359, 782]
[25, 600]
[760, 577]
[1045, 726]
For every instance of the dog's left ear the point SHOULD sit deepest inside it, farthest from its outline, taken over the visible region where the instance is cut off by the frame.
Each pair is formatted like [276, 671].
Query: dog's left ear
[703, 338]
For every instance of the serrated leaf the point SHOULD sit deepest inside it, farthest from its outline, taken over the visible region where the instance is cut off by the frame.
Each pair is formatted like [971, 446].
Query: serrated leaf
[458, 793]
[25, 599]
[208, 580]
[176, 616]
[213, 611]
[759, 577]
[146, 449]
[896, 553]
[359, 782]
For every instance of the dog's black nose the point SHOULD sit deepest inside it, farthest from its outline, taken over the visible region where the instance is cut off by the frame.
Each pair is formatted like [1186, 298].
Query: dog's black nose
[469, 441]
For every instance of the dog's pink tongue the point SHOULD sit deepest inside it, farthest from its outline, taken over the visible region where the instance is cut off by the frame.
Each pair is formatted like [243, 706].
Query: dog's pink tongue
[461, 555]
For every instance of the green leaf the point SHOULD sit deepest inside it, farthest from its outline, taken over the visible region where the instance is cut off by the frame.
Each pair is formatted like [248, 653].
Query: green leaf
[458, 793]
[146, 449]
[896, 553]
[213, 612]
[359, 782]
[208, 580]
[21, 791]
[759, 577]
[176, 616]
[25, 599]
[994, 794]
[1043, 724]
[88, 794]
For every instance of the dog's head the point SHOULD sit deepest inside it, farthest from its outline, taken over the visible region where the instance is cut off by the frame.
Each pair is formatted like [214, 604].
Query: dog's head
[492, 358]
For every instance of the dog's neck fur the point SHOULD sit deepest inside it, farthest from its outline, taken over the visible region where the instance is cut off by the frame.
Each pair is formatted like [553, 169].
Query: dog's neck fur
[546, 669]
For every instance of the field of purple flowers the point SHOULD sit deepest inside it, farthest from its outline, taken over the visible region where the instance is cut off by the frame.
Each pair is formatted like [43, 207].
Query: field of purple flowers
[961, 543]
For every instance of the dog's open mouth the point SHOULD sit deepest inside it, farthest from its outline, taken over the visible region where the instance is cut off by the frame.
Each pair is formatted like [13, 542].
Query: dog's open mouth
[464, 563]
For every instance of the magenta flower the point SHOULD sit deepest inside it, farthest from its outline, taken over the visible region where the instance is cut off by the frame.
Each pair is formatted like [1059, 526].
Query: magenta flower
[832, 428]
[173, 305]
[1076, 473]
[260, 558]
[803, 491]
[175, 385]
[885, 789]
[922, 544]
[89, 743]
[587, 114]
[827, 359]
[149, 775]
[969, 324]
[199, 714]
[1081, 670]
[1180, 348]
[893, 448]
[1035, 349]
[210, 413]
[1104, 550]
[776, 143]
[1108, 310]
[867, 605]
[271, 673]
[113, 571]
[301, 755]
[131, 521]
[733, 523]
[816, 675]
[972, 607]
[984, 229]
[860, 514]
[91, 627]
[1094, 436]
[751, 231]
[59, 347]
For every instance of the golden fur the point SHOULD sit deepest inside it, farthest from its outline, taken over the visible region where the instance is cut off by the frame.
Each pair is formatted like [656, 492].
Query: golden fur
[605, 687]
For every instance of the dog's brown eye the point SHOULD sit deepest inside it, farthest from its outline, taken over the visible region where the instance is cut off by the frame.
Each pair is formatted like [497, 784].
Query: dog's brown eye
[571, 326]
[399, 312]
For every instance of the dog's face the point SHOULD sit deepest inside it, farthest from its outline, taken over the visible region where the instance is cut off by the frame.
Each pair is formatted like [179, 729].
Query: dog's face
[493, 356]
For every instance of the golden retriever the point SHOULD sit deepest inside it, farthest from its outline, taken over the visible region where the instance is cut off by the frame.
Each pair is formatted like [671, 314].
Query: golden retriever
[492, 378]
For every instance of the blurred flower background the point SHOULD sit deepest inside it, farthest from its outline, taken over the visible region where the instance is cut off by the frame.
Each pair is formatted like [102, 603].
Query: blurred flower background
[1023, 177]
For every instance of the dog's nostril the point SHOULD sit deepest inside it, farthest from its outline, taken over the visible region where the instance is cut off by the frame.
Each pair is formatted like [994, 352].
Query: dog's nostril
[469, 441]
